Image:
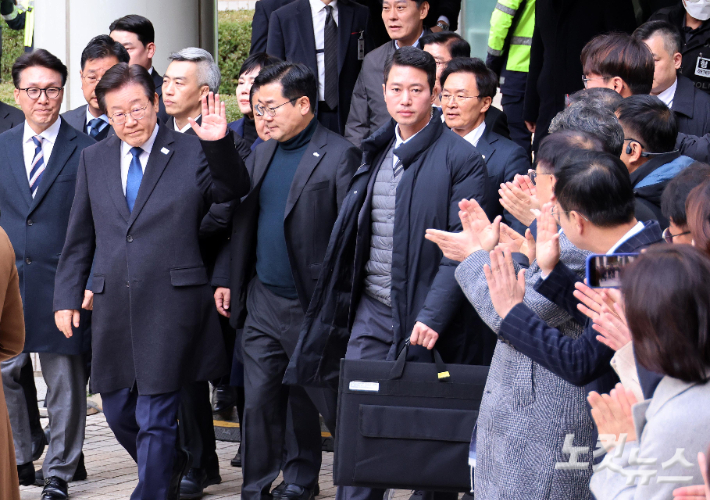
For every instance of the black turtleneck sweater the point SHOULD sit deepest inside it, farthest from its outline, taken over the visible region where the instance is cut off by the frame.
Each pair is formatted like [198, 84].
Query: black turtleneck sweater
[272, 265]
[250, 134]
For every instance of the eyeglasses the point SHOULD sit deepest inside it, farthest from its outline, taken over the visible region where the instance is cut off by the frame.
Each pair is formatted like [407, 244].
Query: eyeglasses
[91, 79]
[534, 175]
[34, 92]
[456, 98]
[586, 80]
[120, 118]
[259, 110]
[556, 214]
[668, 236]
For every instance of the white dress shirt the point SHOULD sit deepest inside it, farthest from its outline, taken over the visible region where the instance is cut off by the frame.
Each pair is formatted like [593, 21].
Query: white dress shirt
[186, 127]
[90, 117]
[475, 135]
[667, 95]
[49, 137]
[126, 156]
[319, 14]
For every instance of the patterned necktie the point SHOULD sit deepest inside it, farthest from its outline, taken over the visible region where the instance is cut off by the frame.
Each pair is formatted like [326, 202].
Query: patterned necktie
[37, 165]
[398, 167]
[133, 180]
[330, 51]
[96, 126]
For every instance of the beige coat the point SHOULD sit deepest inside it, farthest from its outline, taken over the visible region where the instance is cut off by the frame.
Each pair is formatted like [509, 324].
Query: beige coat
[12, 339]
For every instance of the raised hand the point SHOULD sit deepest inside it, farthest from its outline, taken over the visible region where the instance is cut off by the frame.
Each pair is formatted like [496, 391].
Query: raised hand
[612, 412]
[591, 300]
[505, 289]
[214, 119]
[548, 240]
[515, 197]
[612, 327]
[488, 233]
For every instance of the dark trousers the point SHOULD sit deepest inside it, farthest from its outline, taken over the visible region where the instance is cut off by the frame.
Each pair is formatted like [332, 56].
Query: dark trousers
[329, 117]
[513, 109]
[269, 338]
[197, 427]
[146, 426]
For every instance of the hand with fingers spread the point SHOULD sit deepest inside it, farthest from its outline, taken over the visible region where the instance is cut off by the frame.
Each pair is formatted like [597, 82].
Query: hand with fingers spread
[518, 202]
[612, 327]
[214, 119]
[612, 412]
[488, 233]
[591, 300]
[506, 290]
[700, 492]
[548, 240]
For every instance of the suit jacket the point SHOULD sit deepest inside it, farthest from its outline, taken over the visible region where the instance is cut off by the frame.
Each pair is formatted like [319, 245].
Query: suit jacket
[291, 38]
[497, 121]
[158, 80]
[691, 107]
[37, 228]
[260, 23]
[154, 322]
[12, 336]
[238, 128]
[504, 159]
[10, 117]
[315, 196]
[581, 361]
[77, 118]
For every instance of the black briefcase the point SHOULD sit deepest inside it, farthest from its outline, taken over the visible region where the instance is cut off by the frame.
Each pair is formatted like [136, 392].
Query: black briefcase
[406, 425]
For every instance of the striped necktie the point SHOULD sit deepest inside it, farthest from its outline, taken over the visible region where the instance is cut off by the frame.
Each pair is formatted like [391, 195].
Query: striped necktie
[398, 167]
[37, 165]
[96, 126]
[330, 59]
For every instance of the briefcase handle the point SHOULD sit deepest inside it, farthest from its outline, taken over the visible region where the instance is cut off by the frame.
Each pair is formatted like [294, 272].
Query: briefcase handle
[397, 371]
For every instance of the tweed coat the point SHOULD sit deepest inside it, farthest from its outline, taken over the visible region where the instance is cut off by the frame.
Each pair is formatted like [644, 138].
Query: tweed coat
[12, 338]
[527, 410]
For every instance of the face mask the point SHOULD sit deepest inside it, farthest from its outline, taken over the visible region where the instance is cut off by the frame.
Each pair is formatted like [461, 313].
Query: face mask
[699, 9]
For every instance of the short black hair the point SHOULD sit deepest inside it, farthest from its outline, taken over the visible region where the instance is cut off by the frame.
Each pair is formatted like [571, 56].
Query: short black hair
[457, 46]
[601, 97]
[595, 120]
[676, 192]
[104, 46]
[620, 54]
[650, 122]
[486, 79]
[121, 75]
[672, 40]
[133, 23]
[38, 57]
[555, 147]
[416, 58]
[259, 60]
[297, 80]
[596, 185]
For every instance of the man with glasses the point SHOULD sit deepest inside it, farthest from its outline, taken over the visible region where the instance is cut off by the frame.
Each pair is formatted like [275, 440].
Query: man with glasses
[673, 202]
[280, 233]
[100, 54]
[468, 88]
[38, 165]
[140, 199]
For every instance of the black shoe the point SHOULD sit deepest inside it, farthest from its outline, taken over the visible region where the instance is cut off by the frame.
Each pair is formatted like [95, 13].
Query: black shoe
[79, 473]
[224, 399]
[39, 441]
[237, 460]
[193, 484]
[180, 468]
[279, 490]
[296, 492]
[26, 473]
[55, 489]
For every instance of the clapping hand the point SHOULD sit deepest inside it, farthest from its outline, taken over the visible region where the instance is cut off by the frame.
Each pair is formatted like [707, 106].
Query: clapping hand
[548, 240]
[519, 198]
[700, 492]
[506, 290]
[214, 119]
[488, 233]
[612, 412]
[511, 239]
[605, 309]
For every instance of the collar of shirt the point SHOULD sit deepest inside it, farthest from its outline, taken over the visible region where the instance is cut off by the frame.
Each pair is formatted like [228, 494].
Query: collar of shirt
[475, 135]
[318, 5]
[147, 146]
[50, 134]
[667, 95]
[90, 117]
[150, 71]
[631, 232]
[49, 138]
[396, 43]
[186, 127]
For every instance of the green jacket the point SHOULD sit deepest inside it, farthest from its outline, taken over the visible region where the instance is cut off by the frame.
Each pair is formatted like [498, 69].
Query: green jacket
[518, 16]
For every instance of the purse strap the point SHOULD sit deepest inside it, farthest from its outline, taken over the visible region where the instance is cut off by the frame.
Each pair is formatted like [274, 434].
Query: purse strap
[397, 371]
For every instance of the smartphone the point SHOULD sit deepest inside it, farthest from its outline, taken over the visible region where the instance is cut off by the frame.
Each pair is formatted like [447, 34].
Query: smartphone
[604, 271]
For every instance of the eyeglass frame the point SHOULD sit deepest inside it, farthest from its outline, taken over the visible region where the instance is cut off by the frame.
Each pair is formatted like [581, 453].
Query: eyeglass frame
[534, 175]
[585, 79]
[125, 115]
[556, 214]
[456, 98]
[27, 91]
[667, 232]
[272, 110]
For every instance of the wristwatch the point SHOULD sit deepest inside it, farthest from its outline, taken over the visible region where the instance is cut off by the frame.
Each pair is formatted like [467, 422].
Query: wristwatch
[443, 26]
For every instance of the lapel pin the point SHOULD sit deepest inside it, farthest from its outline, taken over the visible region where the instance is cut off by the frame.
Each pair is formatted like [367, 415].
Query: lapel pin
[316, 154]
[165, 151]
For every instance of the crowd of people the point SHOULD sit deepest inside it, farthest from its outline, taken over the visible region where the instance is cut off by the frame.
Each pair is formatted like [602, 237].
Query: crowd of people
[370, 197]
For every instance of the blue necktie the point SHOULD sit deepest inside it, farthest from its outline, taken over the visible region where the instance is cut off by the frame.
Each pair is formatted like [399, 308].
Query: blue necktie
[37, 165]
[134, 178]
[96, 126]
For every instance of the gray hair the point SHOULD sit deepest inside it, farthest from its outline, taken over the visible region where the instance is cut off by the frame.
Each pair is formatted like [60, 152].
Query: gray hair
[600, 97]
[595, 120]
[207, 70]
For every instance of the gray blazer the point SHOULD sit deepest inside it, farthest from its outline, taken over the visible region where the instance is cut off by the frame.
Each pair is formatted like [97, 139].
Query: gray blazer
[676, 417]
[526, 410]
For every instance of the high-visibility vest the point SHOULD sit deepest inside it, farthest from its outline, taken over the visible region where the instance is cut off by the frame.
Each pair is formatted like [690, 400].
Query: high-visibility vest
[507, 14]
[27, 6]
